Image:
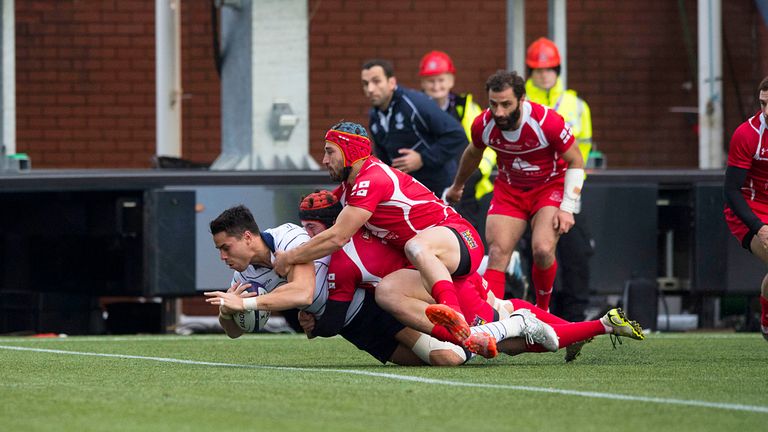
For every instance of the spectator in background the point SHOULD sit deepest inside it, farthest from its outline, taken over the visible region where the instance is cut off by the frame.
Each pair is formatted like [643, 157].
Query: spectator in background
[746, 190]
[437, 71]
[574, 249]
[410, 133]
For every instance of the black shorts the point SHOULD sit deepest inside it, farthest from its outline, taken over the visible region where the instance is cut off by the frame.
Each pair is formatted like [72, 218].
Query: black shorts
[373, 330]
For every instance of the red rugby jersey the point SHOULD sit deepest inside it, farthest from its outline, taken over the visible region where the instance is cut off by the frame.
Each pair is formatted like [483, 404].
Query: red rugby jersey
[529, 156]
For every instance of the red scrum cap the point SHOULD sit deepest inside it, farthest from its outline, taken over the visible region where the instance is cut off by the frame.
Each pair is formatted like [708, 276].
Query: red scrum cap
[321, 205]
[352, 140]
[435, 63]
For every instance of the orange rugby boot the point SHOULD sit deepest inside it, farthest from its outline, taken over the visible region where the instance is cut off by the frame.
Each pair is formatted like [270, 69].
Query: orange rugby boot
[440, 314]
[482, 344]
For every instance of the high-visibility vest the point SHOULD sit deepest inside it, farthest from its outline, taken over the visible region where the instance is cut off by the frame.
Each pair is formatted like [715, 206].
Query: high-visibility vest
[467, 114]
[573, 109]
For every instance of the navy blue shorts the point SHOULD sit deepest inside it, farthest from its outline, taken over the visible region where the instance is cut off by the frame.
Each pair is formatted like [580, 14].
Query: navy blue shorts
[373, 330]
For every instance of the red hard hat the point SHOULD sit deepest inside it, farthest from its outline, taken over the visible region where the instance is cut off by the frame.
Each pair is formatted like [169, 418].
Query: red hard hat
[435, 63]
[542, 54]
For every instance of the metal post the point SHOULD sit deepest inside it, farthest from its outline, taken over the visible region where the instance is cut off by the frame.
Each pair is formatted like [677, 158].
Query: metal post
[168, 77]
[558, 32]
[516, 36]
[710, 84]
[8, 121]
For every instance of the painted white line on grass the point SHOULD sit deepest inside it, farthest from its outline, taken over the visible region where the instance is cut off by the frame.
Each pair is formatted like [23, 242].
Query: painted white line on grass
[597, 395]
[277, 336]
[221, 337]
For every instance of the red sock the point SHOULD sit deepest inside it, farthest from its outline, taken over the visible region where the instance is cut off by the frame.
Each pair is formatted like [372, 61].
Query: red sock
[496, 282]
[444, 292]
[475, 309]
[540, 313]
[572, 332]
[543, 279]
[578, 331]
[442, 333]
[763, 311]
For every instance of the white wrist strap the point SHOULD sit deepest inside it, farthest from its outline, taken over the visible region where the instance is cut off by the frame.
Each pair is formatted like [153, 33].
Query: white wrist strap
[250, 304]
[574, 181]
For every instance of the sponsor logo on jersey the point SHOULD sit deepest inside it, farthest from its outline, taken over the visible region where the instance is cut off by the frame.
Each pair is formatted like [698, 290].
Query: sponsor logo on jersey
[399, 119]
[471, 243]
[556, 196]
[360, 189]
[566, 134]
[523, 165]
[478, 321]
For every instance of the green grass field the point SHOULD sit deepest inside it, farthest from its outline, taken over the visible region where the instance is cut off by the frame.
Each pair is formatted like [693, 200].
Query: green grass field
[675, 382]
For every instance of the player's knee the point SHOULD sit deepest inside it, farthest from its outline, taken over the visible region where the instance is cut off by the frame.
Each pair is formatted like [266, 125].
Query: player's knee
[415, 250]
[544, 252]
[385, 293]
[497, 252]
[445, 357]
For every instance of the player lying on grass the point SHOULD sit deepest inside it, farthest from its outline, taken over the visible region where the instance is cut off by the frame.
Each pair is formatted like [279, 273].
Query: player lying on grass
[363, 262]
[249, 252]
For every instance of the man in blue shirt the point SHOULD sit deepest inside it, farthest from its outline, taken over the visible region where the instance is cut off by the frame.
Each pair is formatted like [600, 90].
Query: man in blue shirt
[410, 132]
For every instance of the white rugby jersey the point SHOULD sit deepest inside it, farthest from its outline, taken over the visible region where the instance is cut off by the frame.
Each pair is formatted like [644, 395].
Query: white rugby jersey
[282, 238]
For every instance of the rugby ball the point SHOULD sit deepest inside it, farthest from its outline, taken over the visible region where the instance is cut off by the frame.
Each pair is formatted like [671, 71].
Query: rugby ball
[252, 321]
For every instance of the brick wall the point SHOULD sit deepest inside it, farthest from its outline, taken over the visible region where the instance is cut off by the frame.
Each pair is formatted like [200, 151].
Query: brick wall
[85, 77]
[85, 71]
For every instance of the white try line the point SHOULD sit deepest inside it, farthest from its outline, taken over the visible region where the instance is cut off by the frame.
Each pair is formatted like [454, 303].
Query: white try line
[213, 337]
[597, 395]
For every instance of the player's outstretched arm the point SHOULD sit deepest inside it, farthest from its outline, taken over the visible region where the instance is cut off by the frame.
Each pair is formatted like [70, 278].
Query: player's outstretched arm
[327, 242]
[470, 160]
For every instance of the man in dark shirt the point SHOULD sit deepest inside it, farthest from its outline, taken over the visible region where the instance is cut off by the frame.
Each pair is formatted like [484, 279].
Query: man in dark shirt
[410, 132]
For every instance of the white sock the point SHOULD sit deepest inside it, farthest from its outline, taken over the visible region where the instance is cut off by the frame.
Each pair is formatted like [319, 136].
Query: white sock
[501, 307]
[502, 329]
[608, 328]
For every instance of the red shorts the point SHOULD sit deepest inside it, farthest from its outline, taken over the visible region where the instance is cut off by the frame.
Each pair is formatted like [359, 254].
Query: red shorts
[471, 240]
[523, 204]
[737, 227]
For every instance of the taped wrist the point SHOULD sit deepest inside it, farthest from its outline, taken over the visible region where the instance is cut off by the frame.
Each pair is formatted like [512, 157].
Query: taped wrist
[574, 181]
[250, 304]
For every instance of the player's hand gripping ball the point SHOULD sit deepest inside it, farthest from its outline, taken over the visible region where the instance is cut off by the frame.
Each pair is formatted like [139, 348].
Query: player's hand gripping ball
[252, 321]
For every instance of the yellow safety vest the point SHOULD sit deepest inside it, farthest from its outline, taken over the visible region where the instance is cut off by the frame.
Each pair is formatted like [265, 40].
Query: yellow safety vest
[573, 109]
[468, 112]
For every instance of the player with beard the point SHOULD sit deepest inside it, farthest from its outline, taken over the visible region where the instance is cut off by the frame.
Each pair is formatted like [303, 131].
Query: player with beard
[541, 174]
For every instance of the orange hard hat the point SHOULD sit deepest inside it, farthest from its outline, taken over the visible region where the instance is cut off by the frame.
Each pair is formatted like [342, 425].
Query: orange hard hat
[542, 54]
[435, 63]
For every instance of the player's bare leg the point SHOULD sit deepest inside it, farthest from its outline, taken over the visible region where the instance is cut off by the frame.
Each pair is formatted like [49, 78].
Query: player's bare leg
[543, 243]
[401, 294]
[430, 350]
[502, 233]
[435, 252]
